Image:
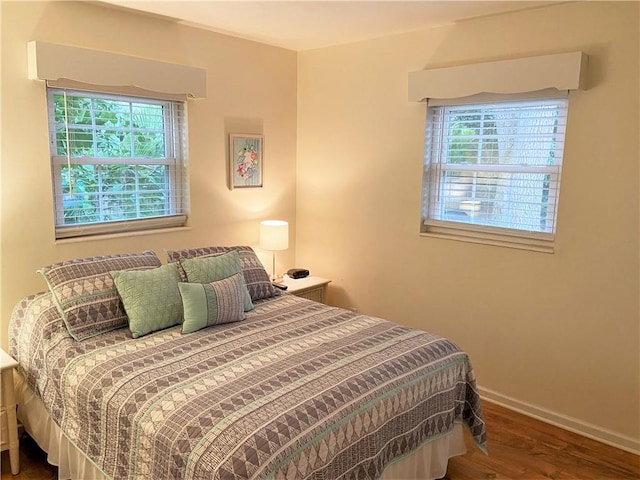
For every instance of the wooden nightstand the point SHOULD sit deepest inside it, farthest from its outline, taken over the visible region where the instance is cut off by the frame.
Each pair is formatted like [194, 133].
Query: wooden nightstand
[312, 288]
[8, 421]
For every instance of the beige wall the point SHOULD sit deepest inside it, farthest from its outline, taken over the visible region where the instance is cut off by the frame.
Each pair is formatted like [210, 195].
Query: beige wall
[251, 89]
[558, 333]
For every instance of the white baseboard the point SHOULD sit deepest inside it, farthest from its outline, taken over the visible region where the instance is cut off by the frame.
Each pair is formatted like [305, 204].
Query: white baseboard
[574, 425]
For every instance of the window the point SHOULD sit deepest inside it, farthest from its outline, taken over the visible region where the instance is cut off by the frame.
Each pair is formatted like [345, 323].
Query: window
[117, 162]
[492, 171]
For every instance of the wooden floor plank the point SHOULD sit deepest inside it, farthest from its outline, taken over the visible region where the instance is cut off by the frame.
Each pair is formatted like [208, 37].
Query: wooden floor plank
[520, 448]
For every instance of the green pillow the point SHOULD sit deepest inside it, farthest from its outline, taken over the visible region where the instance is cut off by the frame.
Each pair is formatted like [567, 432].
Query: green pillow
[211, 269]
[150, 297]
[212, 303]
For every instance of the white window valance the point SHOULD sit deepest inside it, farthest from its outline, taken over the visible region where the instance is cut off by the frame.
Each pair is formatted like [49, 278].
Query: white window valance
[563, 71]
[74, 67]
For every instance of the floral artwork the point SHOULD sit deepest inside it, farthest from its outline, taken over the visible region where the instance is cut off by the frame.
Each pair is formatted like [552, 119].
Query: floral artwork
[246, 160]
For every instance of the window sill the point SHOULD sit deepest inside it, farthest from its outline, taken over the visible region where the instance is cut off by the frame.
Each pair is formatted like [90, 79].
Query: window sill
[109, 236]
[461, 235]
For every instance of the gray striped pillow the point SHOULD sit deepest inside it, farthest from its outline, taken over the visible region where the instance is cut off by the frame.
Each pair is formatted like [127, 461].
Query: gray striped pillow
[86, 295]
[215, 303]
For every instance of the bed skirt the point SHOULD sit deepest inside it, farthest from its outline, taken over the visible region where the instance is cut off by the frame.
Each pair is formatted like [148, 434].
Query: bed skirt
[428, 462]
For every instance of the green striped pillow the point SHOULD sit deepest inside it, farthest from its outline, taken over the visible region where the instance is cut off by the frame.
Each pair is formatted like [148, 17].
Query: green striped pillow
[211, 269]
[215, 303]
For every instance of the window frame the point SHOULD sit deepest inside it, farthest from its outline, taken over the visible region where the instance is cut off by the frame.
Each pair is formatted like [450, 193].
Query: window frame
[435, 147]
[174, 137]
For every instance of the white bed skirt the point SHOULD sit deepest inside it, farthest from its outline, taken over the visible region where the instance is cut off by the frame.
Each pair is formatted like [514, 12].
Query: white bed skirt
[428, 462]
[71, 463]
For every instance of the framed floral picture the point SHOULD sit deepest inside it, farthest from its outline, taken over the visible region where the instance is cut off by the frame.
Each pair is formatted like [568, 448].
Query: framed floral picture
[246, 162]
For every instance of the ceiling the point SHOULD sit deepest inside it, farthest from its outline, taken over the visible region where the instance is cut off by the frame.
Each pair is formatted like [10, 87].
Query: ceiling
[303, 25]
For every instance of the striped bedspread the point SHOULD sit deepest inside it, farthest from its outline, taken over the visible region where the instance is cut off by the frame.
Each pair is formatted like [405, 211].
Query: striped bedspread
[298, 390]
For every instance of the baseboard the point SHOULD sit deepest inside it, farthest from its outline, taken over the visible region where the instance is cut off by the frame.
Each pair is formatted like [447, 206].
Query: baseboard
[574, 425]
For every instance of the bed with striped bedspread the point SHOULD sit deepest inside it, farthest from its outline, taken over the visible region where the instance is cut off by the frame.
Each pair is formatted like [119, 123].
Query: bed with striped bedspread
[297, 390]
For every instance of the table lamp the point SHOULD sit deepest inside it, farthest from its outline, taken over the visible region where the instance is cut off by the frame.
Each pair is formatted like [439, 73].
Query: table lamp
[274, 235]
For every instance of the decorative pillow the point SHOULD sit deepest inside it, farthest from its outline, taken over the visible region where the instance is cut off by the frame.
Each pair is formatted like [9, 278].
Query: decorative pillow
[85, 294]
[255, 276]
[212, 303]
[151, 298]
[210, 269]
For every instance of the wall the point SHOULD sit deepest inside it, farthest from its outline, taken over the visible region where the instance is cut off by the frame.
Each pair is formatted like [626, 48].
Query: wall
[251, 89]
[555, 335]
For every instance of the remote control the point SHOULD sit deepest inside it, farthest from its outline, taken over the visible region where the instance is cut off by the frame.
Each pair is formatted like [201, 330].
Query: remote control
[281, 286]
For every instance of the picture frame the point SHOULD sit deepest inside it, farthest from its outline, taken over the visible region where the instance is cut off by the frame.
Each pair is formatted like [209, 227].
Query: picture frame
[246, 160]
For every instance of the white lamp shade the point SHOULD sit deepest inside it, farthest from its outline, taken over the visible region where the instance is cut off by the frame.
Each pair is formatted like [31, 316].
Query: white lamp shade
[274, 235]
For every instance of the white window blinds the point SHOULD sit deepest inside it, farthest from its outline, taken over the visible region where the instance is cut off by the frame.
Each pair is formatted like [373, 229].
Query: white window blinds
[117, 162]
[495, 167]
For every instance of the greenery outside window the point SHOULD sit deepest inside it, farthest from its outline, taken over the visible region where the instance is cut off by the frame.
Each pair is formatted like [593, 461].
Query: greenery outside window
[117, 162]
[492, 171]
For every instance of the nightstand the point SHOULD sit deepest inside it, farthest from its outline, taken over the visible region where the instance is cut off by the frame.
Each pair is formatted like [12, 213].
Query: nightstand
[311, 288]
[8, 421]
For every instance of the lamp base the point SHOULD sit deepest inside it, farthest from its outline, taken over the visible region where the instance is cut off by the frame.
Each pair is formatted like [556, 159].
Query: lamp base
[274, 277]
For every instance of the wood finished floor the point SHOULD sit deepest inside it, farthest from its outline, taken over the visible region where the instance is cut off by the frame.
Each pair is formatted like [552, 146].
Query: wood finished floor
[519, 448]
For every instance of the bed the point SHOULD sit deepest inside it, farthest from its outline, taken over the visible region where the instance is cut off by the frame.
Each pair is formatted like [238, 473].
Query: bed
[296, 389]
